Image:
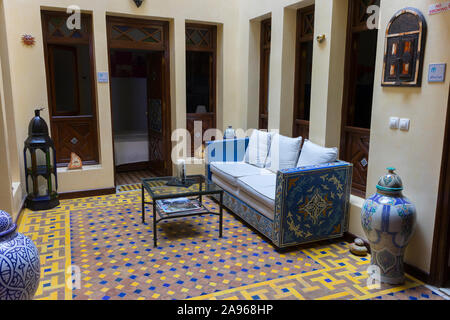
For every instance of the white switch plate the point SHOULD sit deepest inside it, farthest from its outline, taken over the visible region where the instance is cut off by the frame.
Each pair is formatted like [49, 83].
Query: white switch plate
[404, 124]
[394, 122]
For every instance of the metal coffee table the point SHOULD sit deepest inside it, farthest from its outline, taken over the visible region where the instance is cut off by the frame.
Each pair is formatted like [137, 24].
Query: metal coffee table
[159, 189]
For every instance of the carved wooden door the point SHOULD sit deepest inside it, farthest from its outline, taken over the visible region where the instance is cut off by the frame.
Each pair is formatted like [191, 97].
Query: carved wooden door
[155, 111]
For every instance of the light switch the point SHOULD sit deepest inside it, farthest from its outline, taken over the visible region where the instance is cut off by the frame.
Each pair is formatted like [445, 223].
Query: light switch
[404, 124]
[394, 122]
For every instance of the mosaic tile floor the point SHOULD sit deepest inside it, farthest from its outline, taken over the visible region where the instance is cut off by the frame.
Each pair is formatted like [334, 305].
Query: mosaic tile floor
[104, 239]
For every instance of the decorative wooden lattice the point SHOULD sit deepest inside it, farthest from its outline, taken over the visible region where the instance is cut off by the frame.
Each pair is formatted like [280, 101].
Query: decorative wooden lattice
[56, 28]
[307, 19]
[137, 34]
[199, 37]
[266, 32]
[360, 15]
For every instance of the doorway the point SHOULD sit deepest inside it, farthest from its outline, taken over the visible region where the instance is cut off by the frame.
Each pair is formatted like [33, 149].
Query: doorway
[303, 71]
[358, 92]
[201, 83]
[266, 38]
[140, 103]
[69, 62]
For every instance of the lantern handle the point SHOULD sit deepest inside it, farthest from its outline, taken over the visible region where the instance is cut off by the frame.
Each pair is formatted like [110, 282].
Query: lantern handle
[37, 112]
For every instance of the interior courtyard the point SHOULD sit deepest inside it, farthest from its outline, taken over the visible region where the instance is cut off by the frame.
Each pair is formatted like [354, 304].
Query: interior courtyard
[112, 98]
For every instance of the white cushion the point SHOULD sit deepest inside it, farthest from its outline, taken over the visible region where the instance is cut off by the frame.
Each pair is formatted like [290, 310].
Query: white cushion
[258, 148]
[283, 153]
[231, 171]
[313, 154]
[260, 187]
[234, 190]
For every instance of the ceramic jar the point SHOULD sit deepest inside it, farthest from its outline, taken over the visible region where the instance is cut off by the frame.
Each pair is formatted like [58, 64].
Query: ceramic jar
[388, 219]
[19, 262]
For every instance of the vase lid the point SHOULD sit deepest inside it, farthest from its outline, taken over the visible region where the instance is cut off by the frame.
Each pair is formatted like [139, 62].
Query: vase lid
[6, 222]
[391, 182]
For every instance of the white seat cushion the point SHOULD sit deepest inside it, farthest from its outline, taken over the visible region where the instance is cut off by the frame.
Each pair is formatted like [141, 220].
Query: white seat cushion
[313, 154]
[232, 171]
[284, 152]
[258, 148]
[260, 187]
[234, 190]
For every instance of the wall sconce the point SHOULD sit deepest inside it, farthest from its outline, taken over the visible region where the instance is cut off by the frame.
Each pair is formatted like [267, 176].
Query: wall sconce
[28, 40]
[320, 38]
[138, 2]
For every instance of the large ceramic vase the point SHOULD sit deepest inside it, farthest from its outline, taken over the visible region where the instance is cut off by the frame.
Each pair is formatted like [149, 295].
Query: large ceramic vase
[19, 262]
[388, 219]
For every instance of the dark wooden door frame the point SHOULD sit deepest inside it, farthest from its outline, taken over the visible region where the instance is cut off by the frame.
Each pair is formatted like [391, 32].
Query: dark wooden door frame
[165, 47]
[301, 39]
[440, 253]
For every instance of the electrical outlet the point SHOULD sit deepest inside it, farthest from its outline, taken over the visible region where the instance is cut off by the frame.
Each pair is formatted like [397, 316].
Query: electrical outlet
[404, 124]
[394, 123]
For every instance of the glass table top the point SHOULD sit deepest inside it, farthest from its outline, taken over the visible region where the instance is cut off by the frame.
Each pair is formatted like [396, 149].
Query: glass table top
[161, 188]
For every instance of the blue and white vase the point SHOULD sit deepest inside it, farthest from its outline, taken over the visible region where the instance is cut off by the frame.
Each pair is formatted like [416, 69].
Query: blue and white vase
[19, 262]
[388, 219]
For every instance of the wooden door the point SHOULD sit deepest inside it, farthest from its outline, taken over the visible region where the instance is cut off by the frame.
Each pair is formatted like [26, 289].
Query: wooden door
[153, 37]
[266, 34]
[71, 87]
[303, 71]
[358, 92]
[201, 75]
[155, 107]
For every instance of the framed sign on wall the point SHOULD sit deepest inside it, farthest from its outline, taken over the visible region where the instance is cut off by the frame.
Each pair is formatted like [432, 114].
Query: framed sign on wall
[404, 49]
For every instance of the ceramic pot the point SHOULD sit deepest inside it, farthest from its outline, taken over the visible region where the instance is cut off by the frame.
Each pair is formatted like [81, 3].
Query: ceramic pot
[19, 262]
[388, 219]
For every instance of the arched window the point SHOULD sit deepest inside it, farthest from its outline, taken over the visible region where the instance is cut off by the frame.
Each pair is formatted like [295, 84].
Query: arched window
[404, 49]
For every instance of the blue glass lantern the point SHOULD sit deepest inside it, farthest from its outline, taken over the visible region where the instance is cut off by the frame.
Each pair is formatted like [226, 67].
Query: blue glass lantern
[40, 166]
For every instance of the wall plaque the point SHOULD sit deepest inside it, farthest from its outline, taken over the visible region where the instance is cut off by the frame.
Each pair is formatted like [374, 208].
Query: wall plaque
[404, 49]
[436, 72]
[103, 77]
[439, 8]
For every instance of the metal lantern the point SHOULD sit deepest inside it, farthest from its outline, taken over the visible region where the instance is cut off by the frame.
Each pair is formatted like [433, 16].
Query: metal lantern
[138, 2]
[40, 166]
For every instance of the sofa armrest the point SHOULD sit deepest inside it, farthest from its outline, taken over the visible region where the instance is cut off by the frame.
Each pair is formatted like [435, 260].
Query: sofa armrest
[231, 150]
[312, 203]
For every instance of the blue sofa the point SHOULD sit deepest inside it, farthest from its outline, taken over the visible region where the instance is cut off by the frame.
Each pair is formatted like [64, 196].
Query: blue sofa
[311, 203]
